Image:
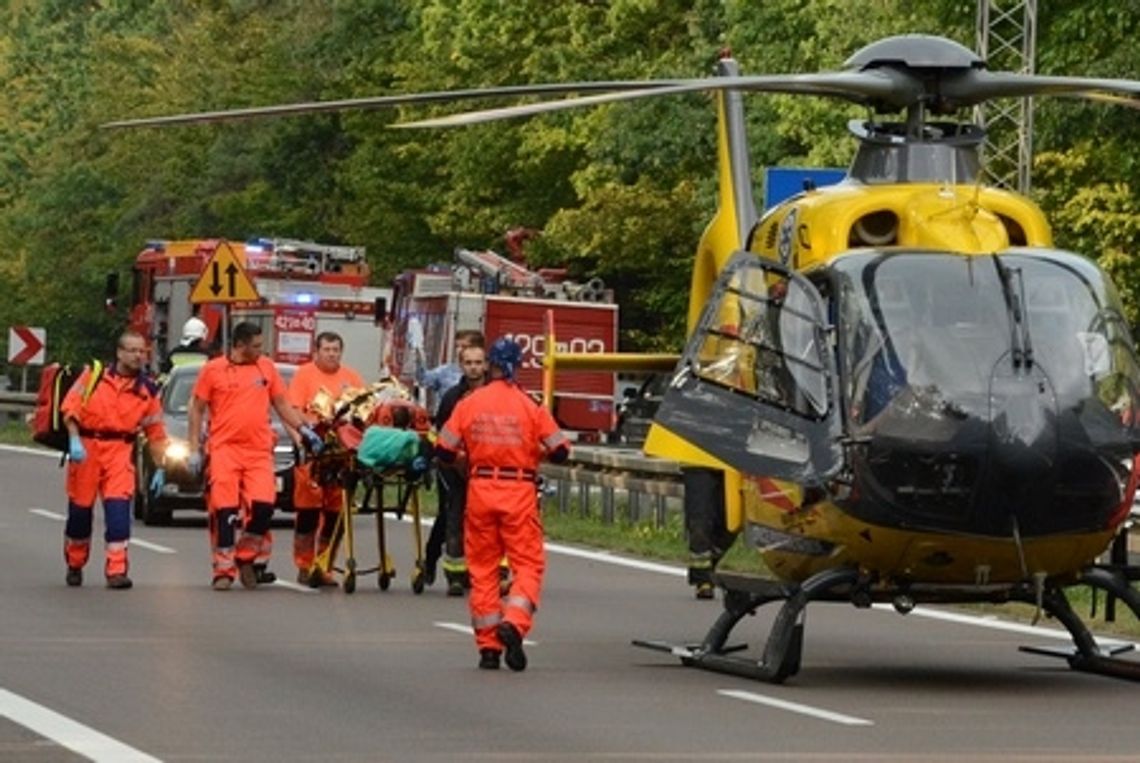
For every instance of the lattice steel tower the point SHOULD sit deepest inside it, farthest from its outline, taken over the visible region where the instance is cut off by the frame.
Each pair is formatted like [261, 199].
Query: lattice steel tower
[1007, 40]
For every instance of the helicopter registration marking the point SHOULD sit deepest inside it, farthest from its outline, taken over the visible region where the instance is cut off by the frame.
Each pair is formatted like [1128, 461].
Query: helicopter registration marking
[787, 241]
[795, 707]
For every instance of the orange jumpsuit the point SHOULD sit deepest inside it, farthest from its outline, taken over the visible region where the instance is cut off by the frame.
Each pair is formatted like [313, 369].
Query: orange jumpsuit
[239, 445]
[109, 422]
[314, 505]
[504, 434]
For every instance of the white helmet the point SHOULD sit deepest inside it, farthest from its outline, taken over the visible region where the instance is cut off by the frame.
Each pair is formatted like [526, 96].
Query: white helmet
[193, 329]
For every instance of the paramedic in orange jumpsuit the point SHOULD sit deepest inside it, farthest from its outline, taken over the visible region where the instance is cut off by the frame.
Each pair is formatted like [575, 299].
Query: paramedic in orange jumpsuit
[237, 390]
[504, 433]
[316, 507]
[102, 426]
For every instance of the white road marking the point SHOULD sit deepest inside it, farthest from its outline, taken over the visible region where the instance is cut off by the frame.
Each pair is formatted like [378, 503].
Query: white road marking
[293, 586]
[455, 627]
[795, 707]
[140, 542]
[467, 629]
[620, 561]
[155, 547]
[31, 451]
[73, 735]
[1002, 625]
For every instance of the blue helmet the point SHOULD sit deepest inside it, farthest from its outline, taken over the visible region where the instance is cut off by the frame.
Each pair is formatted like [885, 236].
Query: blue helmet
[505, 354]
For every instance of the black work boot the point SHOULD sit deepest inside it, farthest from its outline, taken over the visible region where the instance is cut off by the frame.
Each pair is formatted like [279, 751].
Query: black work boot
[457, 584]
[74, 577]
[119, 582]
[264, 576]
[488, 659]
[512, 641]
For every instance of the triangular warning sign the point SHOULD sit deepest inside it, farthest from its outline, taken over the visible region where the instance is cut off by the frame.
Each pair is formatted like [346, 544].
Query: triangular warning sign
[223, 279]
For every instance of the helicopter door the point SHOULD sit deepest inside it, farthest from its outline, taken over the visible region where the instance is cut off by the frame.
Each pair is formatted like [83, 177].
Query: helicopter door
[756, 386]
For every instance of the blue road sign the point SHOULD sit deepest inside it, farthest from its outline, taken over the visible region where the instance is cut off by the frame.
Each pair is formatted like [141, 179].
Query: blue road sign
[782, 183]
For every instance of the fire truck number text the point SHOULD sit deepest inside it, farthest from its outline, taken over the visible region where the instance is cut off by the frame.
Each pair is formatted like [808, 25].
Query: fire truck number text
[533, 347]
[295, 322]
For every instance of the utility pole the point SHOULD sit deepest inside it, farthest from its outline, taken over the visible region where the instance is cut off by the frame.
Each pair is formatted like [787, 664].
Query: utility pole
[1007, 41]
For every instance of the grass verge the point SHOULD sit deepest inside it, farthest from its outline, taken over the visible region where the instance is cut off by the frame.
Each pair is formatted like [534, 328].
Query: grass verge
[15, 433]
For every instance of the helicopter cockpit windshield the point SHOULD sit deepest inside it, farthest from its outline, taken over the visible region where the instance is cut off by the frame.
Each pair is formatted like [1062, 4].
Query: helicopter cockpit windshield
[938, 326]
[980, 386]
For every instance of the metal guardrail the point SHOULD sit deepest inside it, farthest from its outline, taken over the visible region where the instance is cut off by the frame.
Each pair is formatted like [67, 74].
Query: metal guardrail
[649, 483]
[14, 405]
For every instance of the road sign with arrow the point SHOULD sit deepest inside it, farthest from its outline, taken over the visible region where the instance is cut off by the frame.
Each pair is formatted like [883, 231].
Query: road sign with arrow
[223, 280]
[26, 345]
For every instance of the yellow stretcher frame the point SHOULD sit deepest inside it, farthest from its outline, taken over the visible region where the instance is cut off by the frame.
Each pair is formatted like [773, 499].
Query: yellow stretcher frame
[407, 500]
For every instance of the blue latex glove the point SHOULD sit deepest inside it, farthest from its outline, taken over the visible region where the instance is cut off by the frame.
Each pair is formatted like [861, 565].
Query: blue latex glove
[157, 481]
[75, 450]
[312, 440]
[419, 465]
[194, 464]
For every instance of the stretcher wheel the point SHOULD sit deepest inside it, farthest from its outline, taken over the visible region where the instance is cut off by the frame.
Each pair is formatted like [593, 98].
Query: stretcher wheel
[350, 582]
[384, 581]
[418, 579]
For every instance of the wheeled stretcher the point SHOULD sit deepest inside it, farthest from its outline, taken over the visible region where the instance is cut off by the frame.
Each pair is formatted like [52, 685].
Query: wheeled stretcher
[389, 486]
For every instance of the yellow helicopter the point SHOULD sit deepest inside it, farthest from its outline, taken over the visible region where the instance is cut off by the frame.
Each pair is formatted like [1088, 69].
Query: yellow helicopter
[906, 394]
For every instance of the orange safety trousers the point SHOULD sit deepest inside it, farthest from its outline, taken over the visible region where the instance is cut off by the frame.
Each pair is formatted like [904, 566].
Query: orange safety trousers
[238, 479]
[108, 471]
[502, 518]
[313, 505]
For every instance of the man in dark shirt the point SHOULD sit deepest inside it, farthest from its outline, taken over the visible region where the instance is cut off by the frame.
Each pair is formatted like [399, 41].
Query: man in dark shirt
[446, 537]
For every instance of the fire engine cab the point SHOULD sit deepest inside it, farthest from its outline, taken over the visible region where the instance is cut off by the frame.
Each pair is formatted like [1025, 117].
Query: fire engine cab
[304, 288]
[487, 292]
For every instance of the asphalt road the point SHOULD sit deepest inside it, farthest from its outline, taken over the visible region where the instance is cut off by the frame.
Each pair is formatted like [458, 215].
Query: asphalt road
[174, 671]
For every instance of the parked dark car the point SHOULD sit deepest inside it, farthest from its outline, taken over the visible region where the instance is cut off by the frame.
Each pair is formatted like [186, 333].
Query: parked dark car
[182, 491]
[638, 407]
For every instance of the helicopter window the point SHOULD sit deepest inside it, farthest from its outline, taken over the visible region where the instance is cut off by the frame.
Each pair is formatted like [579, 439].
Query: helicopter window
[766, 343]
[799, 335]
[1078, 325]
[923, 325]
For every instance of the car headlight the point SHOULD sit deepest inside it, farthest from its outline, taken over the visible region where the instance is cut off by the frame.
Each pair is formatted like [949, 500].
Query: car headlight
[176, 451]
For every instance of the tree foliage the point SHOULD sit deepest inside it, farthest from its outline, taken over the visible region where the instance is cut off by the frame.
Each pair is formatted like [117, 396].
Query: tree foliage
[618, 192]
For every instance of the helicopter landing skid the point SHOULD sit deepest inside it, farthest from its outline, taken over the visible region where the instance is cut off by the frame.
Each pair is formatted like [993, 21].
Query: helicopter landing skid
[1085, 654]
[743, 596]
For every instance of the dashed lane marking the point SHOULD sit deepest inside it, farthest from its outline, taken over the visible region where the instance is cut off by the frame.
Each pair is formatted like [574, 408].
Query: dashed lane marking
[293, 586]
[459, 628]
[795, 707]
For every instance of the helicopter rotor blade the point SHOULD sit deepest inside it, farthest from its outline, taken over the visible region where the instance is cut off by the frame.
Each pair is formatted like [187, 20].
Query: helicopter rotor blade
[974, 87]
[883, 85]
[382, 102]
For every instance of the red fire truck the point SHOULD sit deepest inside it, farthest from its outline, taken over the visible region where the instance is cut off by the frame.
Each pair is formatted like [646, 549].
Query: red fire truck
[492, 294]
[304, 288]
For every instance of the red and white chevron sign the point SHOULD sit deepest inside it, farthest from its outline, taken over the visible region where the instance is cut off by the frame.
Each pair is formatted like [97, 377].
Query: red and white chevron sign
[27, 345]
